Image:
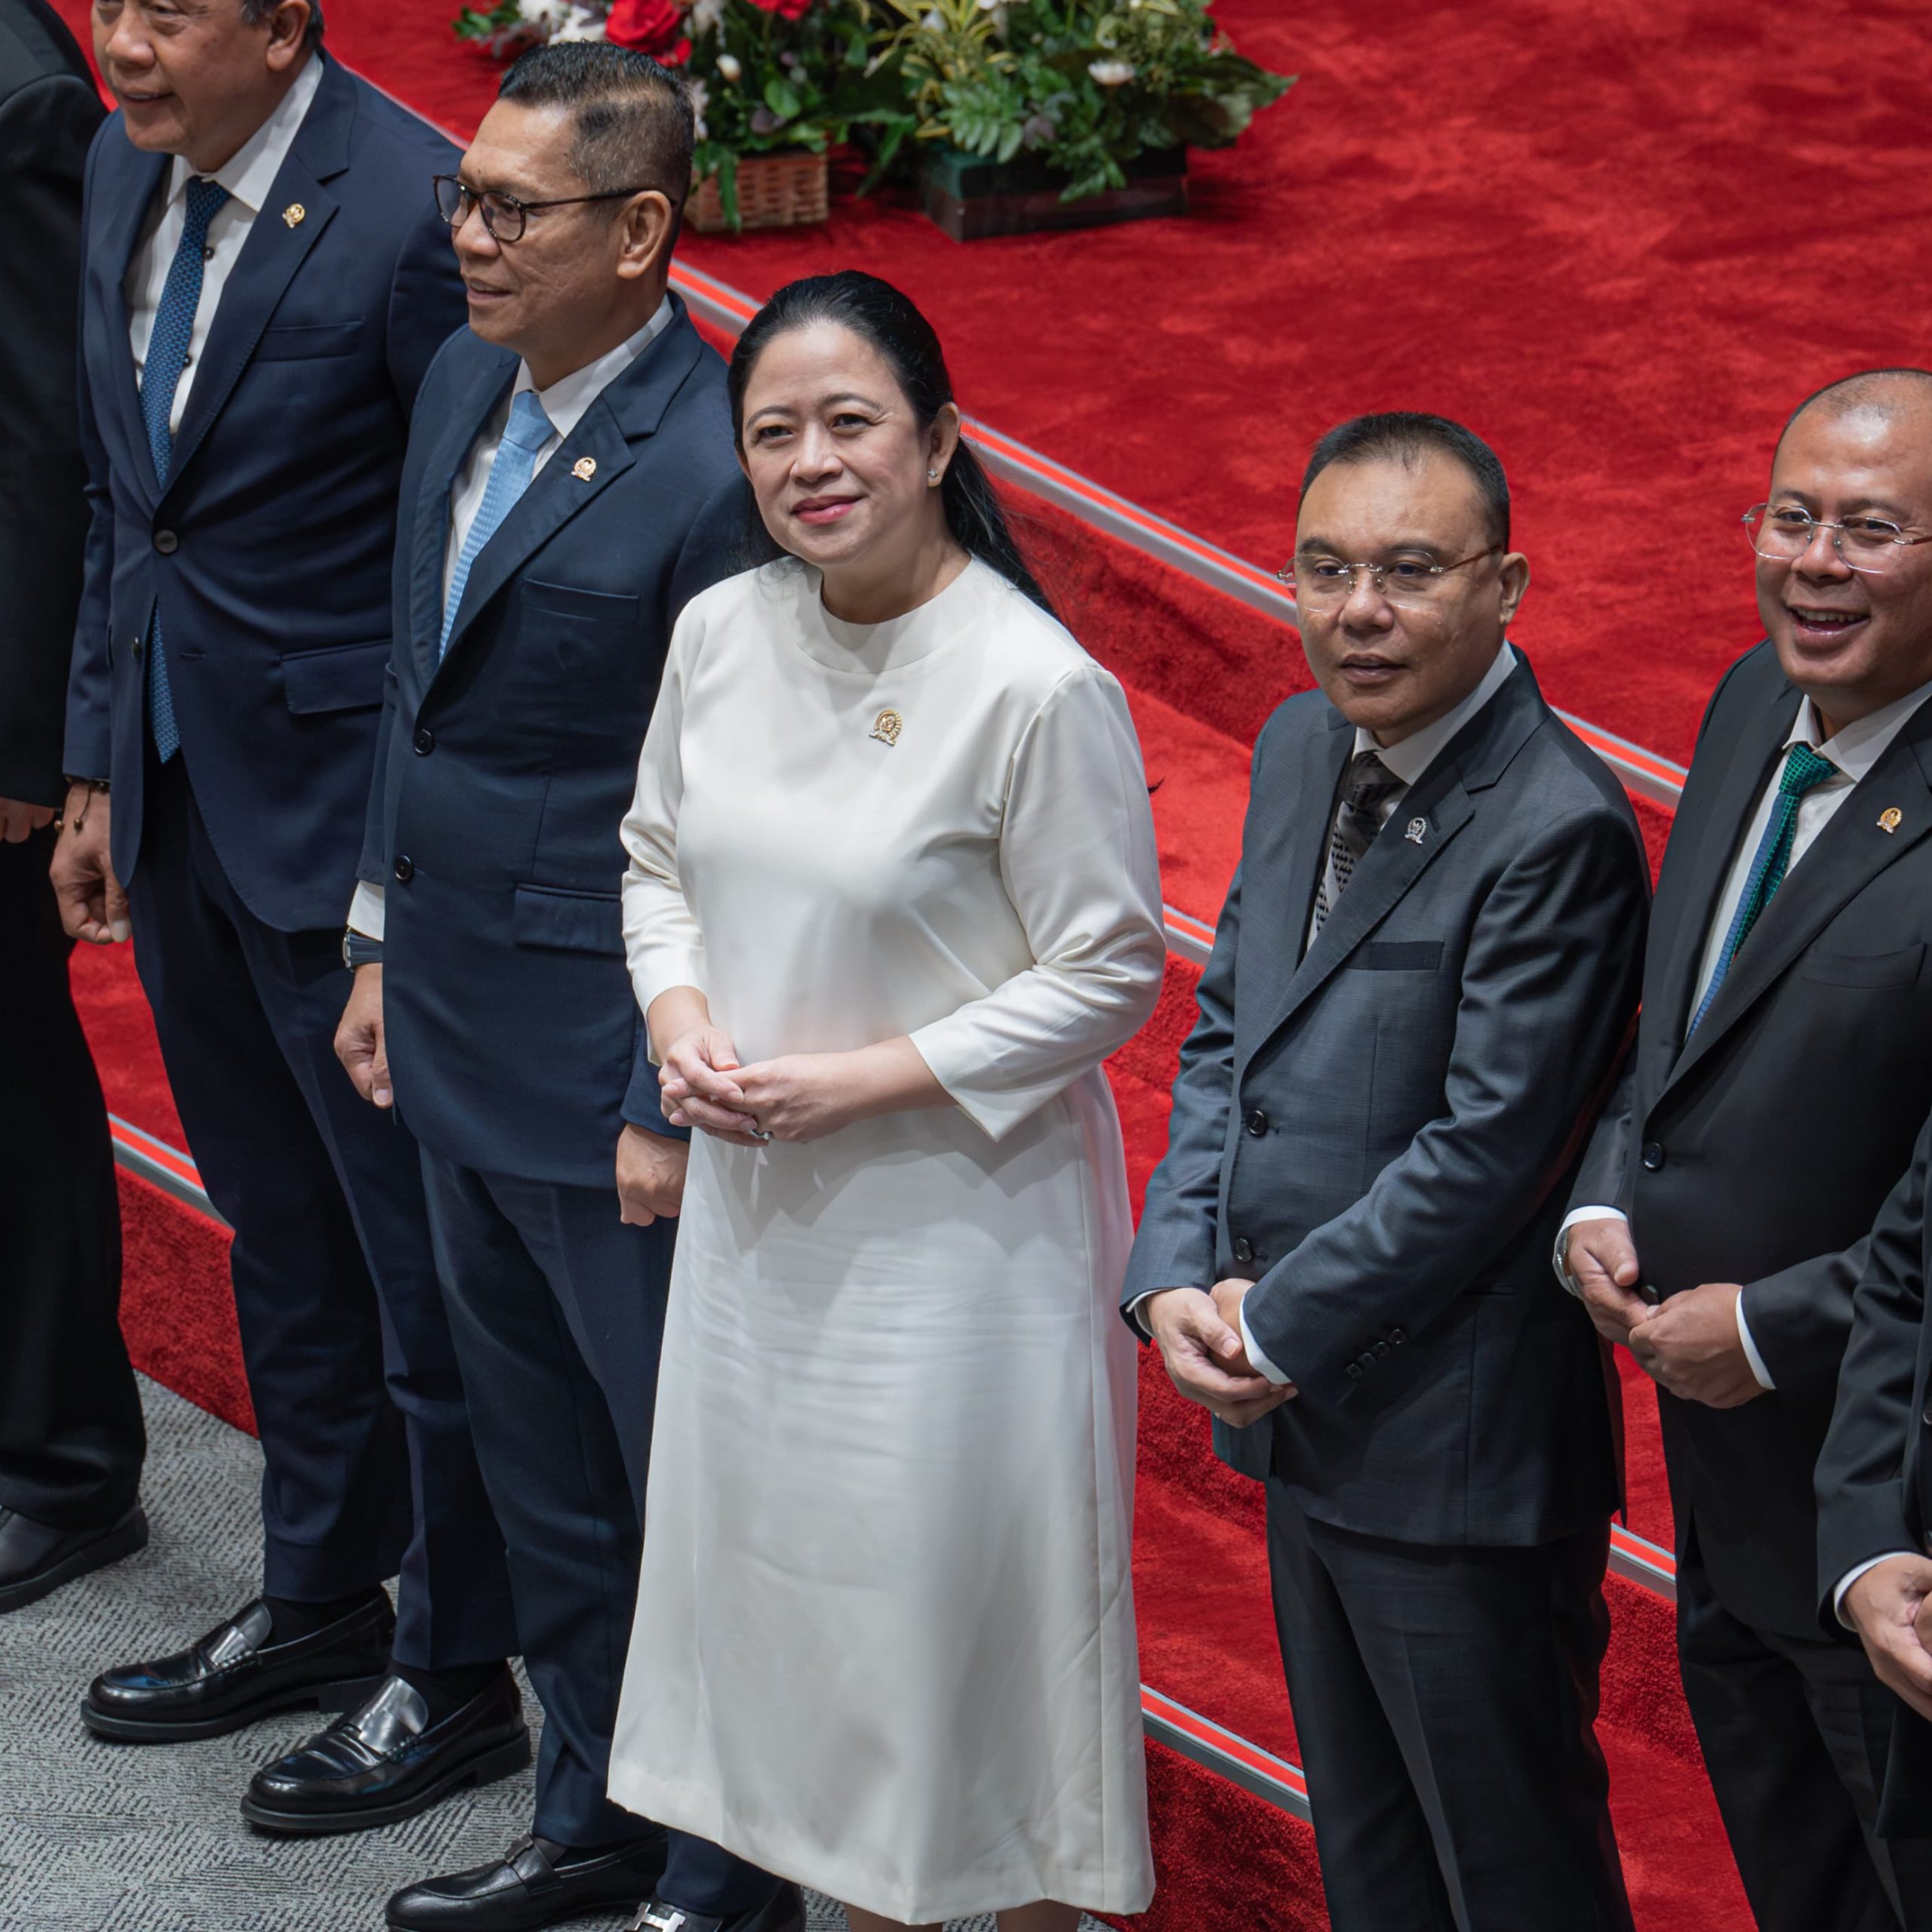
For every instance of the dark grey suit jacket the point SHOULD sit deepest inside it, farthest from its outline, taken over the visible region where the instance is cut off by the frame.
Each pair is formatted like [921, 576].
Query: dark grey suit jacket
[1379, 1132]
[1759, 1150]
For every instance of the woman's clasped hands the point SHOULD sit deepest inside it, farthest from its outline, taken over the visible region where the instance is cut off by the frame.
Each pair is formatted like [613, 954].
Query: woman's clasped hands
[798, 1096]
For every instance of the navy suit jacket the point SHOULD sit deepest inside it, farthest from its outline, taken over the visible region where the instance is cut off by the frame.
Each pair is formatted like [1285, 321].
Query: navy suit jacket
[1377, 1131]
[513, 1036]
[268, 548]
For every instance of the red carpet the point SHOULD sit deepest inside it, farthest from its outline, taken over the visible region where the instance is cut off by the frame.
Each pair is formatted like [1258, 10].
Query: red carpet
[1571, 227]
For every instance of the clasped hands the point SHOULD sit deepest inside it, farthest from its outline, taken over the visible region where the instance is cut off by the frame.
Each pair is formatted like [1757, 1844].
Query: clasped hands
[1199, 1333]
[1891, 1607]
[1689, 1345]
[797, 1096]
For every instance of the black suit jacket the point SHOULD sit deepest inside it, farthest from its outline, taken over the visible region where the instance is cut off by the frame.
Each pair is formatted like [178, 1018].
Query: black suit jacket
[268, 548]
[505, 771]
[48, 112]
[1380, 1131]
[1759, 1150]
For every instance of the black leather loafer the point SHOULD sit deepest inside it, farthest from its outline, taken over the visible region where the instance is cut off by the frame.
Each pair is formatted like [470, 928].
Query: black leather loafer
[535, 1884]
[36, 1559]
[236, 1674]
[385, 1761]
[783, 1911]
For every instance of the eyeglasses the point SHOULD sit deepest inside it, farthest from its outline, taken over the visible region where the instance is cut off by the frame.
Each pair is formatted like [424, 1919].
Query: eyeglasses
[1781, 533]
[504, 215]
[1322, 581]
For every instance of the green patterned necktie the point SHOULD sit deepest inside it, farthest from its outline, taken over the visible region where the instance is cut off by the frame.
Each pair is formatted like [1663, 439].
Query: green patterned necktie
[1804, 769]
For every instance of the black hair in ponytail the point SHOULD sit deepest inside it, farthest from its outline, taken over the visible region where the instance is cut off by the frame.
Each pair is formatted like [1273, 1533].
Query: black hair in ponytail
[878, 313]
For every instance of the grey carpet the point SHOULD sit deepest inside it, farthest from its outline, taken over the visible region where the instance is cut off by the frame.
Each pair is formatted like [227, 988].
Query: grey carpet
[103, 1838]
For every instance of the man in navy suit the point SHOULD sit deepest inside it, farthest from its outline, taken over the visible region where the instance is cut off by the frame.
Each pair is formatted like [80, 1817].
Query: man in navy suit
[264, 286]
[570, 485]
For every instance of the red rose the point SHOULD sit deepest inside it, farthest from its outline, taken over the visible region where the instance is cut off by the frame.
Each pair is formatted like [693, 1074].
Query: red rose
[655, 27]
[785, 10]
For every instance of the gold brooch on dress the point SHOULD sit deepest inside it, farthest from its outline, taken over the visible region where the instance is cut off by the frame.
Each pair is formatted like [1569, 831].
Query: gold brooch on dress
[887, 726]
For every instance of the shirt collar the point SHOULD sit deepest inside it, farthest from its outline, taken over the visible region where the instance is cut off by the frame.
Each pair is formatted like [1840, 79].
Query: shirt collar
[1412, 755]
[1858, 746]
[249, 172]
[567, 400]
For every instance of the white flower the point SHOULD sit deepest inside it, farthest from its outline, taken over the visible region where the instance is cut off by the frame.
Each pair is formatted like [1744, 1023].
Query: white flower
[580, 23]
[700, 99]
[731, 67]
[1110, 73]
[706, 17]
[547, 16]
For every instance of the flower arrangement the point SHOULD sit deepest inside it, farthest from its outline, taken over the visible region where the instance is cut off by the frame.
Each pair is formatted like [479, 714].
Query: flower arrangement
[1083, 87]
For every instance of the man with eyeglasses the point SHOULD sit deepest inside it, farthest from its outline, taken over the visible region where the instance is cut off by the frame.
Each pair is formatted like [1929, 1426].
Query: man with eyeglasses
[570, 485]
[1421, 981]
[1781, 1073]
[260, 300]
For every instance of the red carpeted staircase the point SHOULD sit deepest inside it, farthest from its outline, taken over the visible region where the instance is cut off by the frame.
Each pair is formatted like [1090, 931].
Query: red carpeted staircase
[1621, 241]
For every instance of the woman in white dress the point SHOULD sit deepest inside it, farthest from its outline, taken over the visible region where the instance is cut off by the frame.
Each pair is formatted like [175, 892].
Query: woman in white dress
[892, 898]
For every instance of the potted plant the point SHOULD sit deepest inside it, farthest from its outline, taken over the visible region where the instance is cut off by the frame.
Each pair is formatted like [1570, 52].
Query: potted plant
[1054, 113]
[770, 81]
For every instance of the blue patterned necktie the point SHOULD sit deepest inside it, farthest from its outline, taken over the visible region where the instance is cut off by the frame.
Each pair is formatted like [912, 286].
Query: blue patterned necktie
[1368, 786]
[167, 357]
[1804, 771]
[526, 432]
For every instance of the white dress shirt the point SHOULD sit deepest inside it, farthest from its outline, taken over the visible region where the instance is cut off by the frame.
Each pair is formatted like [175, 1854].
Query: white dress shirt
[248, 175]
[1855, 750]
[566, 402]
[1407, 760]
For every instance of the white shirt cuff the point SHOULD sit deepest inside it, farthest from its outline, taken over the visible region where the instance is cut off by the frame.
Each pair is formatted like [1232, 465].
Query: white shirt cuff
[365, 910]
[1570, 1220]
[1135, 1307]
[1751, 1354]
[1256, 1357]
[1851, 1576]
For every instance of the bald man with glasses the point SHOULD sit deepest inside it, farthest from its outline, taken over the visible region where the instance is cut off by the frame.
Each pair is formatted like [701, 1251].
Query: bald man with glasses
[1781, 1073]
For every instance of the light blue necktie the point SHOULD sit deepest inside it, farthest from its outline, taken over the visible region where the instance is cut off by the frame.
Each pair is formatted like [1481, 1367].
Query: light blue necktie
[1803, 770]
[514, 463]
[160, 376]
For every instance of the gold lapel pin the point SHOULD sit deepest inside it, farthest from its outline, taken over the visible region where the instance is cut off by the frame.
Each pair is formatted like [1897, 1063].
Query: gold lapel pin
[887, 726]
[584, 469]
[295, 215]
[1414, 831]
[1890, 819]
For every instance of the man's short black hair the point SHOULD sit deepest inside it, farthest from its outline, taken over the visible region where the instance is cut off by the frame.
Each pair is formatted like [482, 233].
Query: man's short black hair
[635, 126]
[1406, 436]
[254, 12]
[1866, 387]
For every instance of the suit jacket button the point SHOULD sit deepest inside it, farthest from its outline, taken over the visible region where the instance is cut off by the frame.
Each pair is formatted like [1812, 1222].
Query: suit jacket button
[404, 870]
[1927, 1418]
[1354, 1371]
[425, 742]
[1257, 1122]
[166, 542]
[1398, 1335]
[1380, 1348]
[1652, 1155]
[135, 650]
[1243, 1250]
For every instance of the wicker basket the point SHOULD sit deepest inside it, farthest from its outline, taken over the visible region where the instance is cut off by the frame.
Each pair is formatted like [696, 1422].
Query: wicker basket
[774, 191]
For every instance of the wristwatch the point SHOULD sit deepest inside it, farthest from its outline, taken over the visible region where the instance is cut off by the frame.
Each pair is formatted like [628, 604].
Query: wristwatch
[359, 949]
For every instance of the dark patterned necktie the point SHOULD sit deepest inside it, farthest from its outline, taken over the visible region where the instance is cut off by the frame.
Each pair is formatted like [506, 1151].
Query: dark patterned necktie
[160, 376]
[1368, 786]
[1804, 769]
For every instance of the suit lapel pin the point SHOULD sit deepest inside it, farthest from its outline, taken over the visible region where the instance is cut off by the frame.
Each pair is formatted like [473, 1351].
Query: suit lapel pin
[295, 215]
[1413, 831]
[584, 469]
[1890, 819]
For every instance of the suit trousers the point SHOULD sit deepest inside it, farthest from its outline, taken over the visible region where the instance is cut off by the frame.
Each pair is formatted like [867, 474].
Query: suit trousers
[71, 1436]
[1796, 1733]
[369, 1468]
[558, 1309]
[1444, 1700]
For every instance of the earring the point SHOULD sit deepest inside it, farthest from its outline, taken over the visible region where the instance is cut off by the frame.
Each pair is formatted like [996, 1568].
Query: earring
[932, 476]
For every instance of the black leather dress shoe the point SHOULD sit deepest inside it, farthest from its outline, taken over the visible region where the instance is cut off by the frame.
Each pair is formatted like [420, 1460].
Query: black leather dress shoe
[36, 1559]
[385, 1761]
[237, 1673]
[535, 1884]
[783, 1911]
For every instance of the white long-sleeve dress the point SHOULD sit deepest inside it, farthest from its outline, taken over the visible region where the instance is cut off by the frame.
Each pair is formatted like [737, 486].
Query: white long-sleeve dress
[885, 1642]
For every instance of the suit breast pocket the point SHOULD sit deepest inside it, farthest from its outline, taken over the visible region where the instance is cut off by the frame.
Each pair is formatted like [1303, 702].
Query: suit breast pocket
[580, 667]
[1865, 972]
[1398, 955]
[303, 342]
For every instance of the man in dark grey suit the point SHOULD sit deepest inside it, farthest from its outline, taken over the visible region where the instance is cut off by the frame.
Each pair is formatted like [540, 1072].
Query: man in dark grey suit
[1424, 972]
[1781, 1074]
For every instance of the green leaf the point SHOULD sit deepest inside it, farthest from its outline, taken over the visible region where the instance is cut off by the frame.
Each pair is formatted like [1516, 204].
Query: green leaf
[781, 97]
